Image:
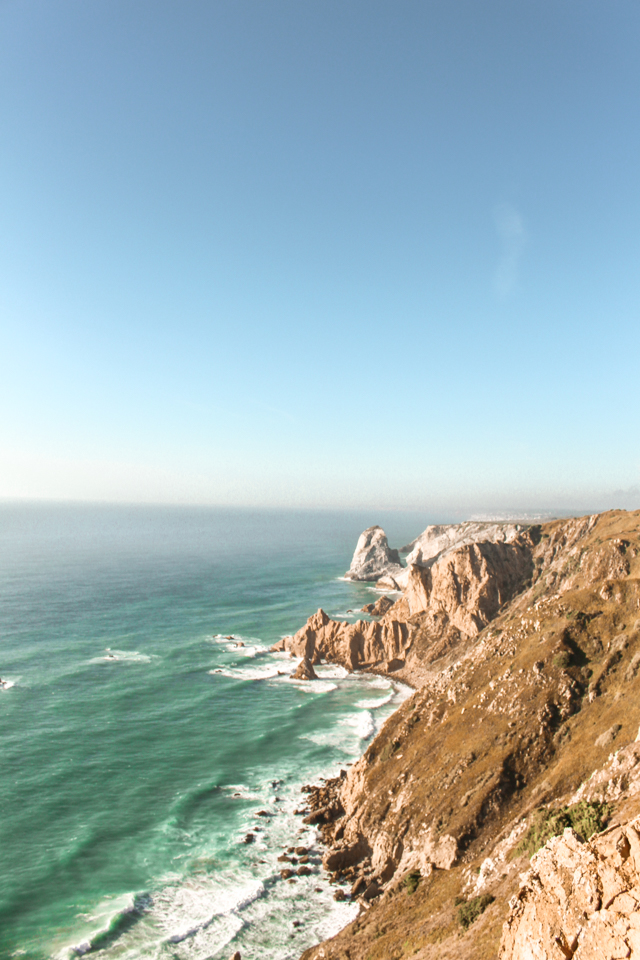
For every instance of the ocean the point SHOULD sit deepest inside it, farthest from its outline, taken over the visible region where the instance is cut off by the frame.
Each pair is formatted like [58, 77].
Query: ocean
[145, 724]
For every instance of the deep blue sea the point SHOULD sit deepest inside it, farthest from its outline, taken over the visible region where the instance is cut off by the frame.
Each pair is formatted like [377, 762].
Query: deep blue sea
[139, 742]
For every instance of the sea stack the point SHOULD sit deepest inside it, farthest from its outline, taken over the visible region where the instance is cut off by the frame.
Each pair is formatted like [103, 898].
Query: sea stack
[373, 557]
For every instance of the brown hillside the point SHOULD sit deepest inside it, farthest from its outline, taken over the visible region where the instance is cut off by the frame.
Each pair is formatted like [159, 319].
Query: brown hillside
[526, 657]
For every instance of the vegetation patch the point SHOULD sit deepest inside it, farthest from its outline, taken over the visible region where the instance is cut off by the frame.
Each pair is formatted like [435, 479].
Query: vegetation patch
[412, 880]
[586, 818]
[562, 660]
[472, 909]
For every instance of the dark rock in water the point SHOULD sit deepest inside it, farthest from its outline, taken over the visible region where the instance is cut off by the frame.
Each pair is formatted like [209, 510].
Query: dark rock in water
[339, 895]
[263, 813]
[305, 671]
[291, 849]
[250, 838]
[297, 923]
[304, 872]
[292, 880]
[304, 859]
[285, 874]
[284, 859]
[236, 956]
[301, 851]
[277, 647]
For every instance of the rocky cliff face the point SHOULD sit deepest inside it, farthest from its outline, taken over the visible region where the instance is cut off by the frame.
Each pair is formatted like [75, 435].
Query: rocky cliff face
[579, 900]
[442, 607]
[437, 540]
[525, 656]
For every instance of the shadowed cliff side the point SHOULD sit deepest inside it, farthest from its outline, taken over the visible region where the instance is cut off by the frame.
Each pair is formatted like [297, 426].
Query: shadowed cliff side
[526, 657]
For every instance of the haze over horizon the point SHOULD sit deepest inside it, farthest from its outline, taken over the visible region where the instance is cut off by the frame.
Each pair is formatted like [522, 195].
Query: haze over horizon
[320, 255]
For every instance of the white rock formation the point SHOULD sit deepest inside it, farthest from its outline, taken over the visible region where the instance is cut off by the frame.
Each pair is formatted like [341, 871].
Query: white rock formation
[373, 557]
[439, 540]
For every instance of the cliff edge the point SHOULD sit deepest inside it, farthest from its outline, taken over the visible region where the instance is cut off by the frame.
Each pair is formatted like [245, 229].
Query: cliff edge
[525, 658]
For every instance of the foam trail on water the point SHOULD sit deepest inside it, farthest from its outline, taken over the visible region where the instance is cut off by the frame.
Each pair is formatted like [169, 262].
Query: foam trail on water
[375, 704]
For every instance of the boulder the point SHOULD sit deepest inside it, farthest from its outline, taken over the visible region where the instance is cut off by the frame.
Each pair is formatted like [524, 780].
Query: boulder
[379, 608]
[373, 558]
[607, 738]
[305, 671]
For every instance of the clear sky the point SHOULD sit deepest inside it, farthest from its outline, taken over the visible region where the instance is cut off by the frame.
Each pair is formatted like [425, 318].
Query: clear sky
[321, 252]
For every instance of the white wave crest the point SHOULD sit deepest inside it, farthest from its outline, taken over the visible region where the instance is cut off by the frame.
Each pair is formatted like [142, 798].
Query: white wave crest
[375, 704]
[314, 686]
[331, 671]
[248, 673]
[362, 723]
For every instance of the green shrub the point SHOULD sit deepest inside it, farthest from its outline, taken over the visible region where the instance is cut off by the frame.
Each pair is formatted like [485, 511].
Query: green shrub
[412, 880]
[562, 659]
[472, 909]
[586, 818]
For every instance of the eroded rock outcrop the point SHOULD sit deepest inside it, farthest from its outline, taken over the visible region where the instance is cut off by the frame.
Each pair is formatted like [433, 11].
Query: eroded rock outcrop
[579, 900]
[373, 557]
[439, 539]
[304, 671]
[442, 606]
[379, 608]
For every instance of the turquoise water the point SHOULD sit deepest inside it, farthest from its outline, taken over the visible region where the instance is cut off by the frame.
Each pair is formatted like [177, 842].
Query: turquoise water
[138, 743]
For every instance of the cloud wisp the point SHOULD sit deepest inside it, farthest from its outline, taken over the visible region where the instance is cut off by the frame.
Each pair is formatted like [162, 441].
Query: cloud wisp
[513, 236]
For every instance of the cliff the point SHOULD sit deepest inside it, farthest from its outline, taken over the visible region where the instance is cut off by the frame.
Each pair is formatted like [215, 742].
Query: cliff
[525, 658]
[443, 606]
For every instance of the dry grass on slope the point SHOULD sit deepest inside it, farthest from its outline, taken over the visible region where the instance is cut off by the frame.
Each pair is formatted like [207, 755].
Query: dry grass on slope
[516, 723]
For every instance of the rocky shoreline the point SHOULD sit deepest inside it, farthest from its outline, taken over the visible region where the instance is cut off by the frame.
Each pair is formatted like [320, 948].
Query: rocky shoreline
[524, 655]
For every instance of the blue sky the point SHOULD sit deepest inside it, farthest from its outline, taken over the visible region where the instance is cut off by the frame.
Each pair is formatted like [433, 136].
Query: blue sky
[321, 253]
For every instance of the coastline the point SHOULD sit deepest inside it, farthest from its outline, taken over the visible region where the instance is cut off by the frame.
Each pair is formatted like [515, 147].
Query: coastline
[531, 648]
